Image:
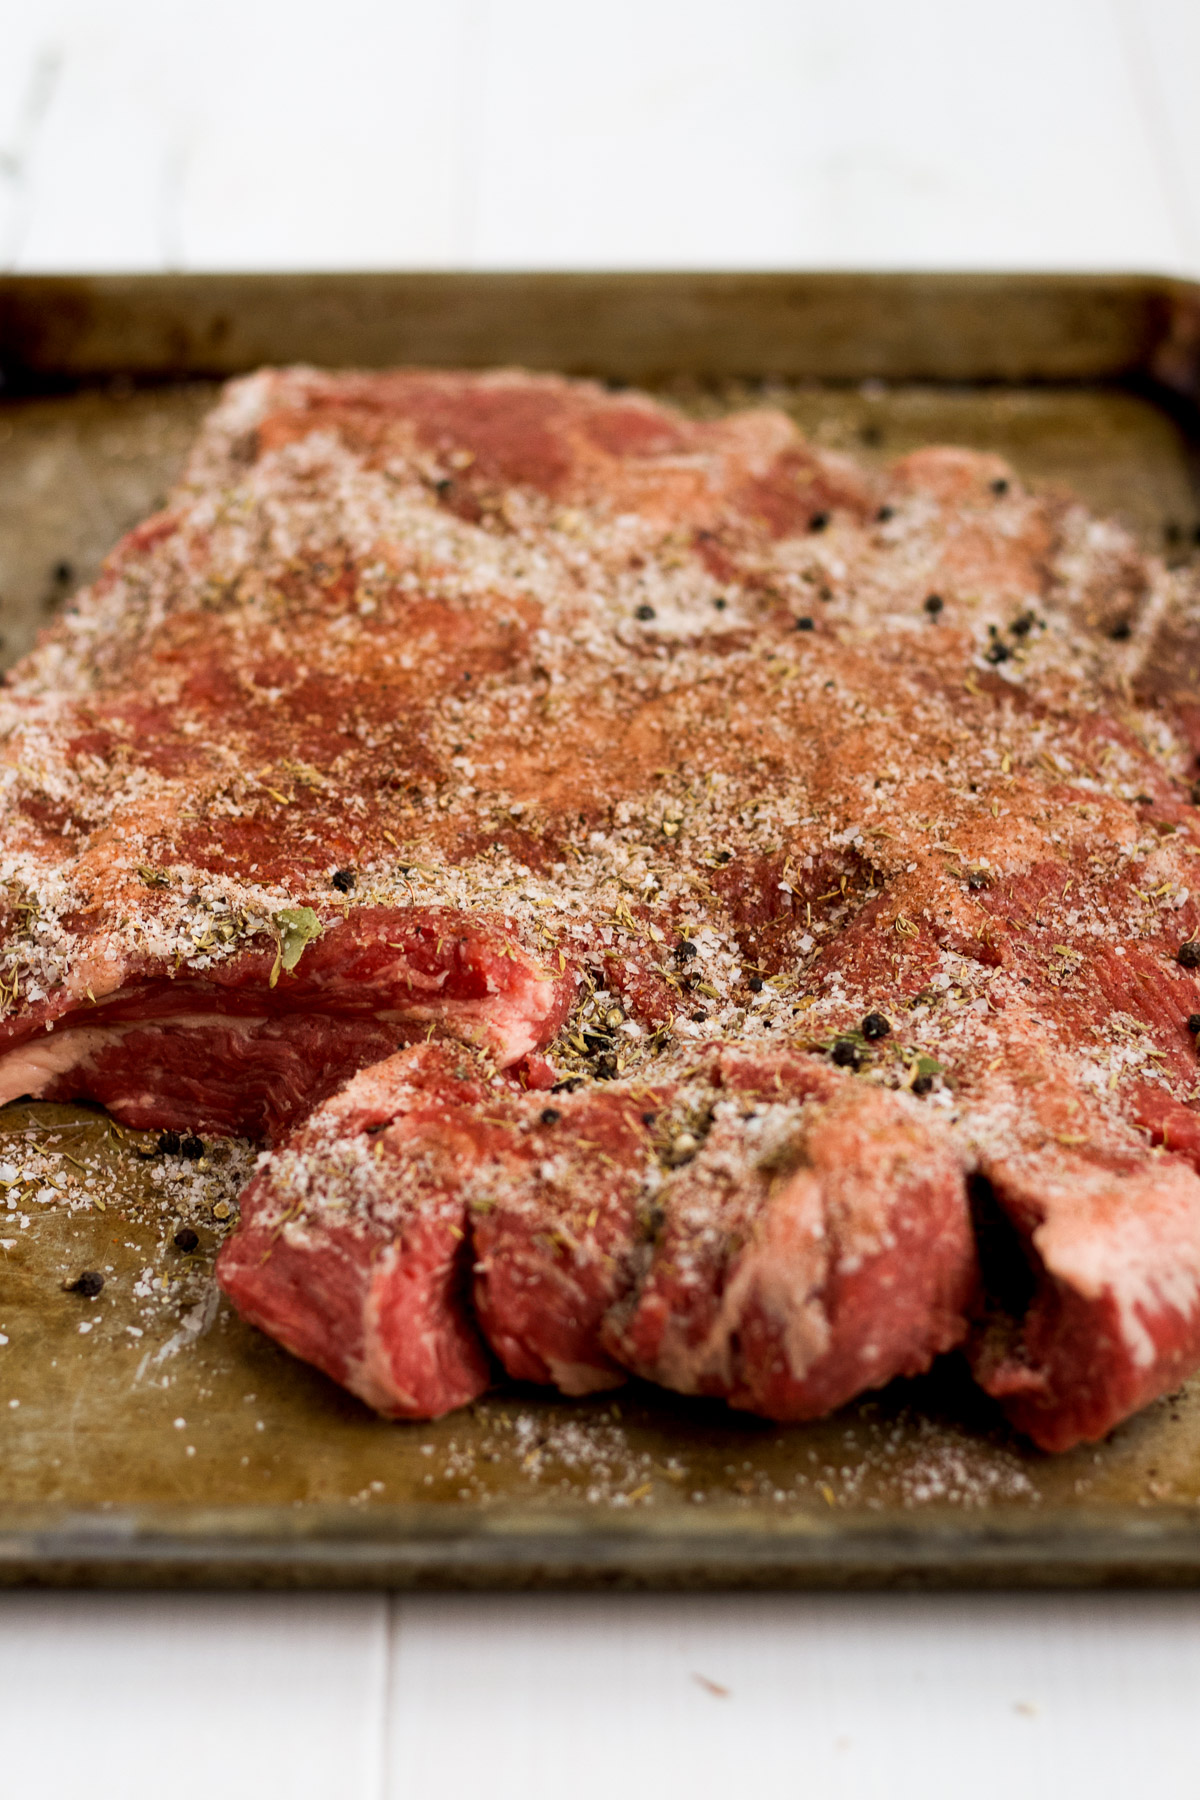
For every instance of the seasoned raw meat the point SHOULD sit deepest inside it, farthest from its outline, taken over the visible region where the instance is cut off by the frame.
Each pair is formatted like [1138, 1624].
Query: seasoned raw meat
[818, 1244]
[607, 747]
[767, 1230]
[364, 1234]
[353, 1250]
[1107, 1270]
[555, 1218]
[229, 1050]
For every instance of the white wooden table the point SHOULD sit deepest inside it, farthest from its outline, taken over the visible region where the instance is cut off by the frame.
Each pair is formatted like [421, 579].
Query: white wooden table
[147, 134]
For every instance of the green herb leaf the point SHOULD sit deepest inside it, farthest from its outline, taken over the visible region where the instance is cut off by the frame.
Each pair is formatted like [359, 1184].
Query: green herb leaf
[295, 926]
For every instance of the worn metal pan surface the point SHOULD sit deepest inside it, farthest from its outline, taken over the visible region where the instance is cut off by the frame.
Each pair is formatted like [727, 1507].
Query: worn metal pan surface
[147, 1435]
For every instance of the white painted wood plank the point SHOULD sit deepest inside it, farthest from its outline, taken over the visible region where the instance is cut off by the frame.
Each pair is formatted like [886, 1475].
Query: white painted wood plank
[98, 171]
[29, 73]
[332, 140]
[137, 1697]
[735, 132]
[1164, 39]
[248, 134]
[850, 1697]
[759, 132]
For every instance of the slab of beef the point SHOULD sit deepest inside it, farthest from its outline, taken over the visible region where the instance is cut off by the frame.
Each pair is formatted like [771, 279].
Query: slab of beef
[765, 1229]
[605, 747]
[352, 1250]
[817, 1244]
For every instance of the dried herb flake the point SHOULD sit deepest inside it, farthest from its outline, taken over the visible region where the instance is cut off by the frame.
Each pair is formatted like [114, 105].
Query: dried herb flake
[295, 927]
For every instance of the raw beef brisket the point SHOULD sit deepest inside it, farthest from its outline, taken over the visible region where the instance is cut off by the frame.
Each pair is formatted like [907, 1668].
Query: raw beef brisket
[764, 1229]
[818, 1244]
[669, 900]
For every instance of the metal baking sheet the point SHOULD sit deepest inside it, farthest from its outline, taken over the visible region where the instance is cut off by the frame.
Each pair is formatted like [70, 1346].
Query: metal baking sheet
[147, 1436]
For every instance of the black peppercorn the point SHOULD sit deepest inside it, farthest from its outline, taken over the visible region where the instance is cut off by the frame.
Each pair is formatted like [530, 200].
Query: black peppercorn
[344, 880]
[550, 1116]
[819, 521]
[934, 604]
[185, 1238]
[643, 611]
[1193, 1024]
[191, 1149]
[885, 513]
[997, 652]
[1120, 631]
[685, 950]
[648, 1118]
[922, 1084]
[1189, 954]
[168, 1143]
[88, 1284]
[1000, 486]
[755, 984]
[875, 1026]
[720, 603]
[845, 1054]
[804, 625]
[977, 880]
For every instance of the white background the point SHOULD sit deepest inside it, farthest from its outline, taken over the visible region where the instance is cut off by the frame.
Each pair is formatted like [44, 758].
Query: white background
[147, 134]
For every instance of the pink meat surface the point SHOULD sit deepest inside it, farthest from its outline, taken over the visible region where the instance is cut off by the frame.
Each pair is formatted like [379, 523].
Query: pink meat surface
[816, 1244]
[1096, 1286]
[353, 1249]
[247, 1048]
[784, 1253]
[554, 1221]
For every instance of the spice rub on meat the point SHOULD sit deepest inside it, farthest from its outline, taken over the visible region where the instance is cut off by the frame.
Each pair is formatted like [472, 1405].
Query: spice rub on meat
[773, 851]
[762, 1228]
